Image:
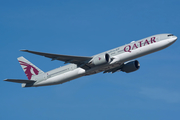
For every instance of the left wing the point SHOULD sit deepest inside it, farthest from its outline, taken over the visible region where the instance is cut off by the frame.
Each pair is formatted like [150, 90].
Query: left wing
[79, 60]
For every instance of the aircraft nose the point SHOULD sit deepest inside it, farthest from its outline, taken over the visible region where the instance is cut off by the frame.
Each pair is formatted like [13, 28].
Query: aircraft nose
[174, 38]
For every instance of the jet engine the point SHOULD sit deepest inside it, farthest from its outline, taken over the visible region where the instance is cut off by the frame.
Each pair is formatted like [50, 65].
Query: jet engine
[100, 59]
[130, 66]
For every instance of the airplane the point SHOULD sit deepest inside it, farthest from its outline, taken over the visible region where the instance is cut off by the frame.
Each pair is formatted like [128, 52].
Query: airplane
[117, 59]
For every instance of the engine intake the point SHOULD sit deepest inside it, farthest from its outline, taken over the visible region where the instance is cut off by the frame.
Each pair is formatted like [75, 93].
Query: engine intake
[131, 66]
[101, 59]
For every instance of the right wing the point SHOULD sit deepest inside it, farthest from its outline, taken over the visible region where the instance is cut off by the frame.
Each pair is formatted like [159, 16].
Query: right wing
[113, 70]
[20, 81]
[79, 60]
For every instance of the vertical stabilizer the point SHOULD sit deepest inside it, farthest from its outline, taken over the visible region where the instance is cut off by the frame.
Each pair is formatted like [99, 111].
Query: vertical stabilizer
[29, 69]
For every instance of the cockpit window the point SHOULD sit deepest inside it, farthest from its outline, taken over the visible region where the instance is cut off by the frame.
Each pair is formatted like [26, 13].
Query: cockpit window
[170, 35]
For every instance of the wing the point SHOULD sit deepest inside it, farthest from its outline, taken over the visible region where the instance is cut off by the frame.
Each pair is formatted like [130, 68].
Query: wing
[79, 60]
[19, 81]
[113, 70]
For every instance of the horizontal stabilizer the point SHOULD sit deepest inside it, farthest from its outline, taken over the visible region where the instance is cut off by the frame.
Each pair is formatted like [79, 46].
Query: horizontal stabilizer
[19, 81]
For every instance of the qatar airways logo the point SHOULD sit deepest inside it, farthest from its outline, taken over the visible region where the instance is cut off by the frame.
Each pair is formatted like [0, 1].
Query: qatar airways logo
[142, 43]
[29, 69]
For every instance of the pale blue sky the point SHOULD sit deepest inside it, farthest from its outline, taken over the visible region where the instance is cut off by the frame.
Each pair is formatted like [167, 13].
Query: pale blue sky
[86, 28]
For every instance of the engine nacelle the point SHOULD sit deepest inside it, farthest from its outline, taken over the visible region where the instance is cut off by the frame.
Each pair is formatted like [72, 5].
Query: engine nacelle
[101, 59]
[131, 66]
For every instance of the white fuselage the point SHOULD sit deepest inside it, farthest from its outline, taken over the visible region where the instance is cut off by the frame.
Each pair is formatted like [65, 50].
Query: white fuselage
[120, 55]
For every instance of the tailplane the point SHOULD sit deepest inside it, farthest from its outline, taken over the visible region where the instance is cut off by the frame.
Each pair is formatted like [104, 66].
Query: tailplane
[25, 83]
[29, 69]
[20, 81]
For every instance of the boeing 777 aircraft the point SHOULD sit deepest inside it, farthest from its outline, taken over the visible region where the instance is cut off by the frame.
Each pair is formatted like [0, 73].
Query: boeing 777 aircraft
[117, 59]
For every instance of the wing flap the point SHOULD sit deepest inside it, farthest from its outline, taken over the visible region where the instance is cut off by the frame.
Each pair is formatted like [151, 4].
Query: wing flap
[20, 81]
[66, 58]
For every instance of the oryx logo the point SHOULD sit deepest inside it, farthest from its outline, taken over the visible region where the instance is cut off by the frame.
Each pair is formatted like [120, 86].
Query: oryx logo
[29, 70]
[99, 58]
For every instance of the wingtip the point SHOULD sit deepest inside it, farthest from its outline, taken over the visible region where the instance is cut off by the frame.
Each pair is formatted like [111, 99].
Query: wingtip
[6, 80]
[24, 50]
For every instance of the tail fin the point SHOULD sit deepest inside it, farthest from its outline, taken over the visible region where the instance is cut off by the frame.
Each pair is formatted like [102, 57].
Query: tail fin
[29, 69]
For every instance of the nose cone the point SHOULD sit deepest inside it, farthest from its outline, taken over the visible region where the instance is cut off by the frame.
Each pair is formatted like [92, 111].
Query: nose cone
[173, 39]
